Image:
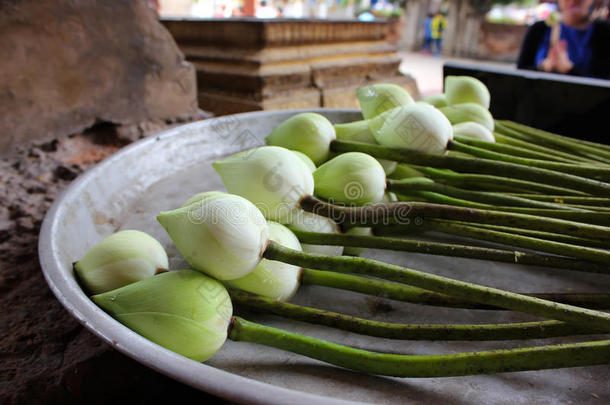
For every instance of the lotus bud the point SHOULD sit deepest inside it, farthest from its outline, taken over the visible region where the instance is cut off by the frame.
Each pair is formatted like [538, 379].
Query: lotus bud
[270, 177]
[120, 259]
[352, 178]
[378, 98]
[308, 162]
[309, 133]
[199, 198]
[358, 231]
[271, 278]
[437, 100]
[222, 235]
[308, 222]
[473, 130]
[466, 112]
[418, 126]
[466, 89]
[359, 131]
[183, 311]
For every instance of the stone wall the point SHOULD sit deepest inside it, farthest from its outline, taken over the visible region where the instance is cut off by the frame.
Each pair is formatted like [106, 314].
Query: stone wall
[67, 65]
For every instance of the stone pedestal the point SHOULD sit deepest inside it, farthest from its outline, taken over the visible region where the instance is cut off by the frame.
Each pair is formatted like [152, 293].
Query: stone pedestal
[249, 64]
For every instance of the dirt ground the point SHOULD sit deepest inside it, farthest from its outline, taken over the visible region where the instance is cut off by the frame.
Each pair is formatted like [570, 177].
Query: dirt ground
[46, 355]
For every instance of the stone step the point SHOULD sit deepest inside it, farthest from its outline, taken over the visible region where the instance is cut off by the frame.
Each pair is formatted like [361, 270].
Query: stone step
[256, 33]
[274, 54]
[266, 81]
[226, 102]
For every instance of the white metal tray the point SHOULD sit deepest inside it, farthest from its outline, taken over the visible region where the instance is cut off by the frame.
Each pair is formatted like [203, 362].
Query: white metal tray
[129, 188]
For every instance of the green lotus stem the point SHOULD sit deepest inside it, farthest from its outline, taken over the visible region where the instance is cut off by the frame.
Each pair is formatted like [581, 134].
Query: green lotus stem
[564, 249]
[511, 149]
[405, 293]
[487, 182]
[544, 235]
[378, 214]
[566, 199]
[536, 132]
[540, 136]
[517, 135]
[463, 332]
[590, 217]
[590, 171]
[447, 249]
[486, 362]
[587, 318]
[483, 166]
[591, 208]
[405, 186]
[517, 142]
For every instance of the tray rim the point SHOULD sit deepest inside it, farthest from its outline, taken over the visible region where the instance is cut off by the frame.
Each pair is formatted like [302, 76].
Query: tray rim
[224, 384]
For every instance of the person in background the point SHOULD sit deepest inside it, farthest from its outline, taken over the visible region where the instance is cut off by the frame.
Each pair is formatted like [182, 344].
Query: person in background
[427, 47]
[573, 44]
[438, 27]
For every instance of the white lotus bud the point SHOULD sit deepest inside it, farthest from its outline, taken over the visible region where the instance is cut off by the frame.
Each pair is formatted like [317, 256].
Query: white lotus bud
[309, 133]
[352, 178]
[378, 98]
[183, 311]
[359, 131]
[418, 126]
[437, 100]
[457, 113]
[271, 278]
[308, 162]
[466, 89]
[305, 221]
[223, 235]
[272, 178]
[120, 259]
[473, 130]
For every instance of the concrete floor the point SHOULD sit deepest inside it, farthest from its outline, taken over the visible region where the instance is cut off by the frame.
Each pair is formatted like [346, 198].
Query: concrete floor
[428, 69]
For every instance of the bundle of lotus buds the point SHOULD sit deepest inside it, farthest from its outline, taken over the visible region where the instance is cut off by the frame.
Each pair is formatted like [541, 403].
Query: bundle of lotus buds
[301, 209]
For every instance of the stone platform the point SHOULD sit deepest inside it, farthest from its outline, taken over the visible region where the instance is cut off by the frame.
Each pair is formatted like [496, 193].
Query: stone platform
[251, 64]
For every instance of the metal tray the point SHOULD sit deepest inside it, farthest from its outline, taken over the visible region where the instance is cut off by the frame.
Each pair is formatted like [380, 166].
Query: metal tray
[129, 188]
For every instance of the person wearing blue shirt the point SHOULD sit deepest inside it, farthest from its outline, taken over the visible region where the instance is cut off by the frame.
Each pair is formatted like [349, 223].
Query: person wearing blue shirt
[428, 34]
[575, 45]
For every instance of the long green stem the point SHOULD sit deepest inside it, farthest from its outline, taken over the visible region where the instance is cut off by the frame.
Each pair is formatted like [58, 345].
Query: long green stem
[463, 332]
[472, 165]
[447, 249]
[533, 140]
[546, 134]
[511, 149]
[486, 362]
[566, 199]
[405, 186]
[488, 182]
[405, 212]
[545, 235]
[541, 136]
[564, 249]
[589, 217]
[415, 295]
[599, 172]
[505, 139]
[588, 318]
